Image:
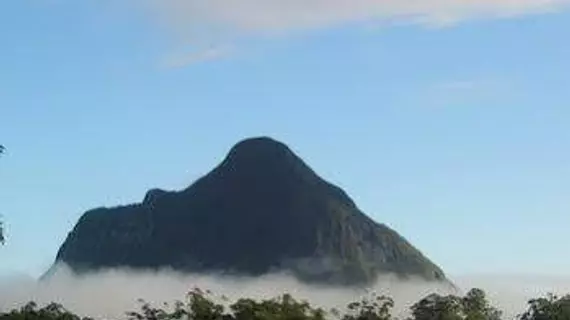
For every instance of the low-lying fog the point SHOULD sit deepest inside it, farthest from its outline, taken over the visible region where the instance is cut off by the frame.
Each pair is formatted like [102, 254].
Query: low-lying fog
[112, 293]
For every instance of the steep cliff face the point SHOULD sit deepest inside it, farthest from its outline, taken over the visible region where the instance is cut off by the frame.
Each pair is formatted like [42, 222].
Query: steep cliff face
[261, 210]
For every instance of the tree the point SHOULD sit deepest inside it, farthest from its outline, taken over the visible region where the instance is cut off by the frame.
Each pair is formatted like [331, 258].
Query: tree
[30, 311]
[284, 307]
[438, 307]
[477, 307]
[373, 308]
[473, 306]
[2, 240]
[551, 307]
[197, 307]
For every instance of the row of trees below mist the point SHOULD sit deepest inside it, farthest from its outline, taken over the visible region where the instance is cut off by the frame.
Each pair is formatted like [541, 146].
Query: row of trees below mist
[201, 305]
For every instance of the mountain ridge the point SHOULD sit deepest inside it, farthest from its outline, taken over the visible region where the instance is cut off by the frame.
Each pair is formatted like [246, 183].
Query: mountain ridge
[261, 209]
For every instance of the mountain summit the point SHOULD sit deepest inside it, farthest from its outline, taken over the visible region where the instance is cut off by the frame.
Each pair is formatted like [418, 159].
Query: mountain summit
[261, 210]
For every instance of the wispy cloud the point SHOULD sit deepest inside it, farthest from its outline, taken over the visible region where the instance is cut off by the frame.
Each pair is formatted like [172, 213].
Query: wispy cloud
[460, 85]
[279, 16]
[470, 89]
[197, 56]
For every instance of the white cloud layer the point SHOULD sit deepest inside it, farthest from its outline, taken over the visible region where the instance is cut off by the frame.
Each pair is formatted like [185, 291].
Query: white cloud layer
[109, 294]
[270, 16]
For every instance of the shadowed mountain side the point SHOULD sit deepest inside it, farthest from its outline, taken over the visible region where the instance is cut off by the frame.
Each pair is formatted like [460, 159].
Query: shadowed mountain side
[261, 210]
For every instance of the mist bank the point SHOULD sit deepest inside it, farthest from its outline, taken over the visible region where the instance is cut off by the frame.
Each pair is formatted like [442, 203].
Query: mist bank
[111, 293]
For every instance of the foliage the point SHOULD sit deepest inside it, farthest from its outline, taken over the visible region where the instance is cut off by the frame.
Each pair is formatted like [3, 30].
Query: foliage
[473, 306]
[375, 308]
[282, 308]
[31, 311]
[477, 307]
[2, 239]
[200, 305]
[551, 307]
[437, 307]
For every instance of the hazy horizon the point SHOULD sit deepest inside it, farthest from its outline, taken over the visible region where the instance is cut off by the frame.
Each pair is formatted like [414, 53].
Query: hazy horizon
[113, 292]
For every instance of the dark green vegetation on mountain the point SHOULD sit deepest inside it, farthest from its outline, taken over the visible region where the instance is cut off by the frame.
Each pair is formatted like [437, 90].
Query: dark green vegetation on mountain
[261, 210]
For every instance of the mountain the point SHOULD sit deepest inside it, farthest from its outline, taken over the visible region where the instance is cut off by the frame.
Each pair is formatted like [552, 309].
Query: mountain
[261, 210]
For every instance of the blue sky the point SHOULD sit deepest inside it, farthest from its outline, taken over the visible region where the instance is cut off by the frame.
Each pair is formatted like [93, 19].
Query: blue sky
[452, 126]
